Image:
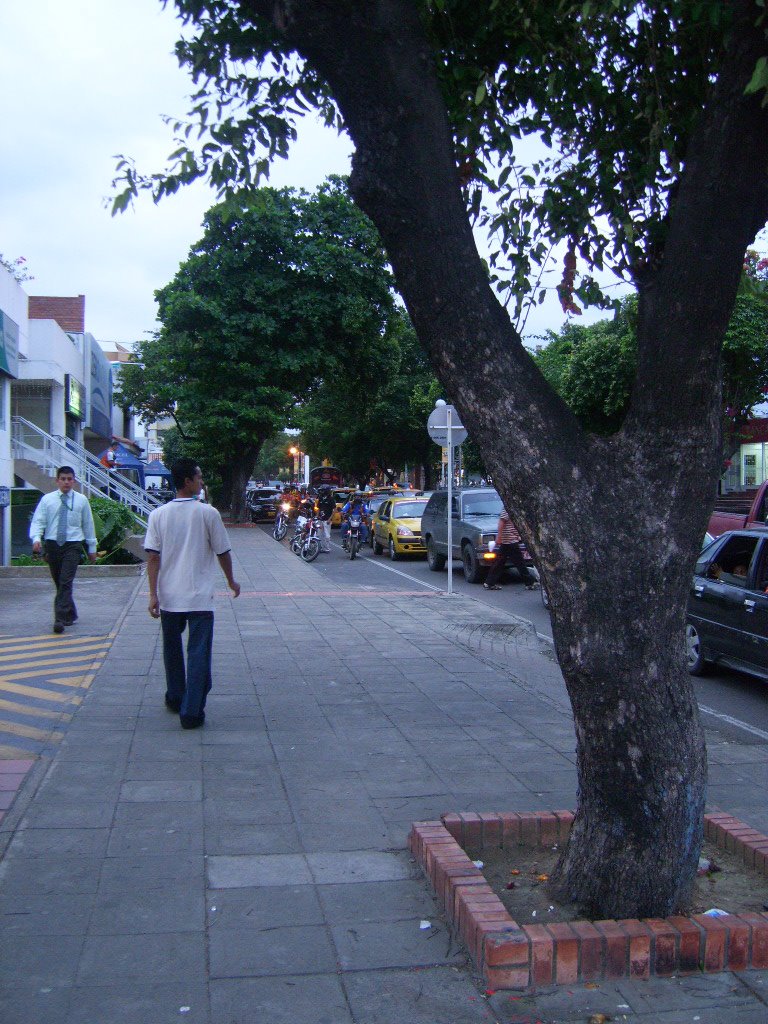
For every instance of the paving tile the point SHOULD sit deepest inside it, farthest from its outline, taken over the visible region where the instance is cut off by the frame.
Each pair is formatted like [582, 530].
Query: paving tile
[40, 960]
[159, 791]
[36, 842]
[133, 911]
[359, 866]
[250, 870]
[249, 839]
[147, 1003]
[24, 1004]
[366, 946]
[52, 914]
[292, 999]
[141, 958]
[427, 996]
[377, 901]
[263, 907]
[305, 949]
[134, 873]
[50, 875]
[130, 840]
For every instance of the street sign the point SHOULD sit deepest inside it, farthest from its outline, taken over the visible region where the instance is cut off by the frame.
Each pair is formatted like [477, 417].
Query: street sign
[437, 426]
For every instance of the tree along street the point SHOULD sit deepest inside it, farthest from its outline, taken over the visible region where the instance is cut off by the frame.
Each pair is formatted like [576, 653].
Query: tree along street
[661, 175]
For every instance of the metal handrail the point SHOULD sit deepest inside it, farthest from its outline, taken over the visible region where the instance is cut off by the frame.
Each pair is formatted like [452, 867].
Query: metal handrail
[28, 441]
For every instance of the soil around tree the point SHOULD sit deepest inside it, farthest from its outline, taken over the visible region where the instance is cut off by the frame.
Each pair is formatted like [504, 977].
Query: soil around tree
[519, 876]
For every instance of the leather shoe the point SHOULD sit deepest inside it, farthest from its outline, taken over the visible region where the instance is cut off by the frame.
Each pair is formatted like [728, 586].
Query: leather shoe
[172, 705]
[58, 627]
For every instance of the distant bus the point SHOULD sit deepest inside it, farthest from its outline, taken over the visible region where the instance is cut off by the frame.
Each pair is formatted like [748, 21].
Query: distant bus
[321, 475]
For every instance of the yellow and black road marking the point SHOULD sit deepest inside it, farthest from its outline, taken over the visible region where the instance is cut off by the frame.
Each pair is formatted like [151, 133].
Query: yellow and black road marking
[42, 679]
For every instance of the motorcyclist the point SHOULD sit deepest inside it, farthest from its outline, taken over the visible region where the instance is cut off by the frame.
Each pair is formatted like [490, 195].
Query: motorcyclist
[325, 508]
[355, 506]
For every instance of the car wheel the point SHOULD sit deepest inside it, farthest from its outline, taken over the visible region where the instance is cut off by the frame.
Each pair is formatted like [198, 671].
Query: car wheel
[434, 561]
[377, 548]
[472, 571]
[694, 656]
[392, 553]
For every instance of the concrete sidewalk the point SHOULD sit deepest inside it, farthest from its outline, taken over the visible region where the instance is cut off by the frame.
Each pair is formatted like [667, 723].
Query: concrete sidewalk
[256, 870]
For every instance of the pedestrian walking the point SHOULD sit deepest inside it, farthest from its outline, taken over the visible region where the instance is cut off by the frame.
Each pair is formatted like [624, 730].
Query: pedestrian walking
[61, 524]
[184, 539]
[508, 549]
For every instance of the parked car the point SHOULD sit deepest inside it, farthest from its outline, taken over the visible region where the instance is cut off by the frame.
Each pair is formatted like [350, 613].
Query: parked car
[727, 621]
[262, 503]
[475, 512]
[374, 504]
[396, 527]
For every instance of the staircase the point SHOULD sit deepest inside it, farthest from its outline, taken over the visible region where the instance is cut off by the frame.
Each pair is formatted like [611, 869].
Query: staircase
[37, 455]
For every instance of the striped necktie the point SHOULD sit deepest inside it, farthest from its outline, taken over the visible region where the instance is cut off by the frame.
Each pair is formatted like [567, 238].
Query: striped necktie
[61, 529]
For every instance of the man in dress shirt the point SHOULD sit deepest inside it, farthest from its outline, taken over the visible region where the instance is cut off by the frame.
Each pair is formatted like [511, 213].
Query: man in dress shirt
[63, 522]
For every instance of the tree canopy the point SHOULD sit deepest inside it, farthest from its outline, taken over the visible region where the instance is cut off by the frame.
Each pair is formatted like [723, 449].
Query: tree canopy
[276, 295]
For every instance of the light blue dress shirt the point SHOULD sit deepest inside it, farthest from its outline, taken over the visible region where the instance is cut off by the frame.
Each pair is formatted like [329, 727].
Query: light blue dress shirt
[79, 519]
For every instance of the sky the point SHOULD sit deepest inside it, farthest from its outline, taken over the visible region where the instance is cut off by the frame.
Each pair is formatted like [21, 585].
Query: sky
[82, 81]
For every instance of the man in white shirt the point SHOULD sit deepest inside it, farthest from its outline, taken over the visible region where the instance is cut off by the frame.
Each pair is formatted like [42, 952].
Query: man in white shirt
[184, 539]
[63, 522]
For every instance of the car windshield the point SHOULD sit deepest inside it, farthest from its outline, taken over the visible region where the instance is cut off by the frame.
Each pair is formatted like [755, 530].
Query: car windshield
[375, 503]
[408, 509]
[488, 504]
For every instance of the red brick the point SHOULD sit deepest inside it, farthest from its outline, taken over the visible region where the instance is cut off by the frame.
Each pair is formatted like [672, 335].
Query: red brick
[738, 944]
[711, 822]
[454, 882]
[438, 849]
[508, 978]
[616, 948]
[689, 945]
[453, 824]
[482, 925]
[510, 829]
[759, 928]
[664, 957]
[507, 949]
[715, 935]
[14, 767]
[473, 829]
[566, 953]
[722, 829]
[735, 837]
[565, 821]
[591, 950]
[549, 830]
[639, 948]
[451, 868]
[760, 857]
[10, 783]
[542, 955]
[473, 899]
[491, 830]
[529, 828]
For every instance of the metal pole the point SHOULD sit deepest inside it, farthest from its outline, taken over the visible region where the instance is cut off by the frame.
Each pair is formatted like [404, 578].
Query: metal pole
[450, 499]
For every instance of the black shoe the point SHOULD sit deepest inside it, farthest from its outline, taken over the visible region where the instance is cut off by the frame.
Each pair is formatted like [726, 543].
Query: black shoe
[191, 722]
[172, 705]
[58, 627]
[70, 622]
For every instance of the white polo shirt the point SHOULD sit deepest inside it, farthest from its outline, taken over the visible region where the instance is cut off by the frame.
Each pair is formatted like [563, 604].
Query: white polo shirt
[188, 535]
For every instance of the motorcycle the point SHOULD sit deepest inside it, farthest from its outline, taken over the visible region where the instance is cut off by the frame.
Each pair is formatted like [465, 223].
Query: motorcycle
[306, 539]
[281, 520]
[353, 536]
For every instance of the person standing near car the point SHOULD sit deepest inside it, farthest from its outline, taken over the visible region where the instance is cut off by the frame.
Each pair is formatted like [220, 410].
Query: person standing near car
[63, 522]
[508, 549]
[184, 539]
[326, 506]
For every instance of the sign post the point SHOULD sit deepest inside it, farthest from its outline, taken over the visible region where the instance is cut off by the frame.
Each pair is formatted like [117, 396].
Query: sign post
[446, 429]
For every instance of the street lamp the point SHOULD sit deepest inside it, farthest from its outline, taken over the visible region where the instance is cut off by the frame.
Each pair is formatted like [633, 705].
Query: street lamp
[296, 453]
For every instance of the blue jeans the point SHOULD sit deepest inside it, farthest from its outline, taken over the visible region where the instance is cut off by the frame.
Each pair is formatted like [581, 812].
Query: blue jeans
[190, 688]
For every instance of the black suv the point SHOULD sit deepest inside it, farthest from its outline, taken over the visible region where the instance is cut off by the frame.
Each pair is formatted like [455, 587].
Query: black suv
[728, 604]
[476, 512]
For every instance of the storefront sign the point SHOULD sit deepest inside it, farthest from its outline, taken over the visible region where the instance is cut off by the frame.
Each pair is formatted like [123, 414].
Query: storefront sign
[9, 346]
[74, 397]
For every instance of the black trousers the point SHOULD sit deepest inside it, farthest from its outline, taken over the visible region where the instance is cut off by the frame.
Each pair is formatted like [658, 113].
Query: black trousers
[509, 553]
[63, 560]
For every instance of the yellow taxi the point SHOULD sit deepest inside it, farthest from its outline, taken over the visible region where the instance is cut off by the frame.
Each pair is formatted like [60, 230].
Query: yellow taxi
[396, 527]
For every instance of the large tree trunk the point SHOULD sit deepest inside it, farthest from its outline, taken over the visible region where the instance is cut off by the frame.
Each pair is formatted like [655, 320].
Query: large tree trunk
[239, 474]
[615, 523]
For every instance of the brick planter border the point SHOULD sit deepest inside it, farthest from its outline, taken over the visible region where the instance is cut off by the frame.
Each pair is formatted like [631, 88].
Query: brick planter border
[533, 956]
